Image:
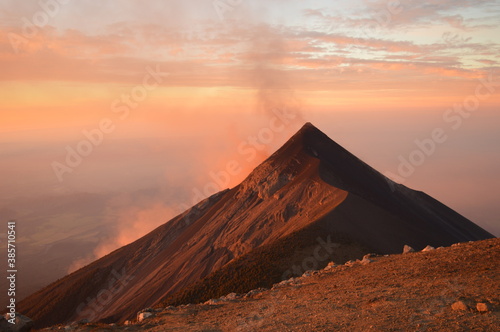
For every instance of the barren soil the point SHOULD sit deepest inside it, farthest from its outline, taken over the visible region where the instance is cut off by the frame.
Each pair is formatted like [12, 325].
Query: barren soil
[404, 292]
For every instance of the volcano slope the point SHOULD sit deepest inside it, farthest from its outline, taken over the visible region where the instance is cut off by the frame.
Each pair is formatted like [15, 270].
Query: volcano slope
[311, 197]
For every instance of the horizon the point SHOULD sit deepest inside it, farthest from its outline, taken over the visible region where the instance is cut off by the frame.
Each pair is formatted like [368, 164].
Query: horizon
[116, 118]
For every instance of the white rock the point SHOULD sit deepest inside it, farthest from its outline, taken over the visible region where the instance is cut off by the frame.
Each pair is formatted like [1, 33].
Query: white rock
[407, 249]
[143, 315]
[213, 301]
[459, 305]
[483, 307]
[351, 263]
[255, 292]
[231, 296]
[23, 323]
[284, 283]
[366, 260]
[308, 273]
[428, 248]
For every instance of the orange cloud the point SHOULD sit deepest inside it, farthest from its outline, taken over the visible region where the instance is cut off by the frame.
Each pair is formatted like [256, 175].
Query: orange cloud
[134, 223]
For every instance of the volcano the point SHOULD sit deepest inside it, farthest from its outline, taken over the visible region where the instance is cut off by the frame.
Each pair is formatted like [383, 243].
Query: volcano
[309, 203]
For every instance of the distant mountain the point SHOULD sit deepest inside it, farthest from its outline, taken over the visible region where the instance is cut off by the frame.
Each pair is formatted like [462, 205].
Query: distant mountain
[310, 199]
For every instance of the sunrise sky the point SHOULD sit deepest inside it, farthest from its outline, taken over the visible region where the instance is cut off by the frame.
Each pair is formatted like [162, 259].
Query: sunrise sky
[171, 91]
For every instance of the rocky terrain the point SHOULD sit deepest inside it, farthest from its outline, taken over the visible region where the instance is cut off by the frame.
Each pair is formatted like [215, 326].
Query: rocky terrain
[445, 289]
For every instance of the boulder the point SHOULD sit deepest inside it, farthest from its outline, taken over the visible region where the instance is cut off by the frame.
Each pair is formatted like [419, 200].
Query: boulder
[351, 263]
[213, 302]
[330, 265]
[366, 260]
[483, 307]
[255, 292]
[459, 305]
[230, 297]
[407, 249]
[307, 273]
[143, 315]
[23, 323]
[283, 283]
[428, 248]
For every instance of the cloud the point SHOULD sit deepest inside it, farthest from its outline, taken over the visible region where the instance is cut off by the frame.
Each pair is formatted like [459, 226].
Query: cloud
[208, 53]
[131, 221]
[377, 17]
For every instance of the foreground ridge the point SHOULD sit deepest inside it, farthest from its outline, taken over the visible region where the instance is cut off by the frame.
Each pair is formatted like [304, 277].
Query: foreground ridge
[449, 289]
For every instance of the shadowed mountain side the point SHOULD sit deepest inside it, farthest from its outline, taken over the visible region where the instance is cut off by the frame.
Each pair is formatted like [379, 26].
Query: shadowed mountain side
[311, 183]
[307, 249]
[410, 212]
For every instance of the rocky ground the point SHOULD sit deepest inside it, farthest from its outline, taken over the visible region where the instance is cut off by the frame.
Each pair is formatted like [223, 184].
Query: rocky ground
[447, 289]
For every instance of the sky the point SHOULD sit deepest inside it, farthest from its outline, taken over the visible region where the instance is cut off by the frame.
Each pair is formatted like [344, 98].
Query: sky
[117, 115]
